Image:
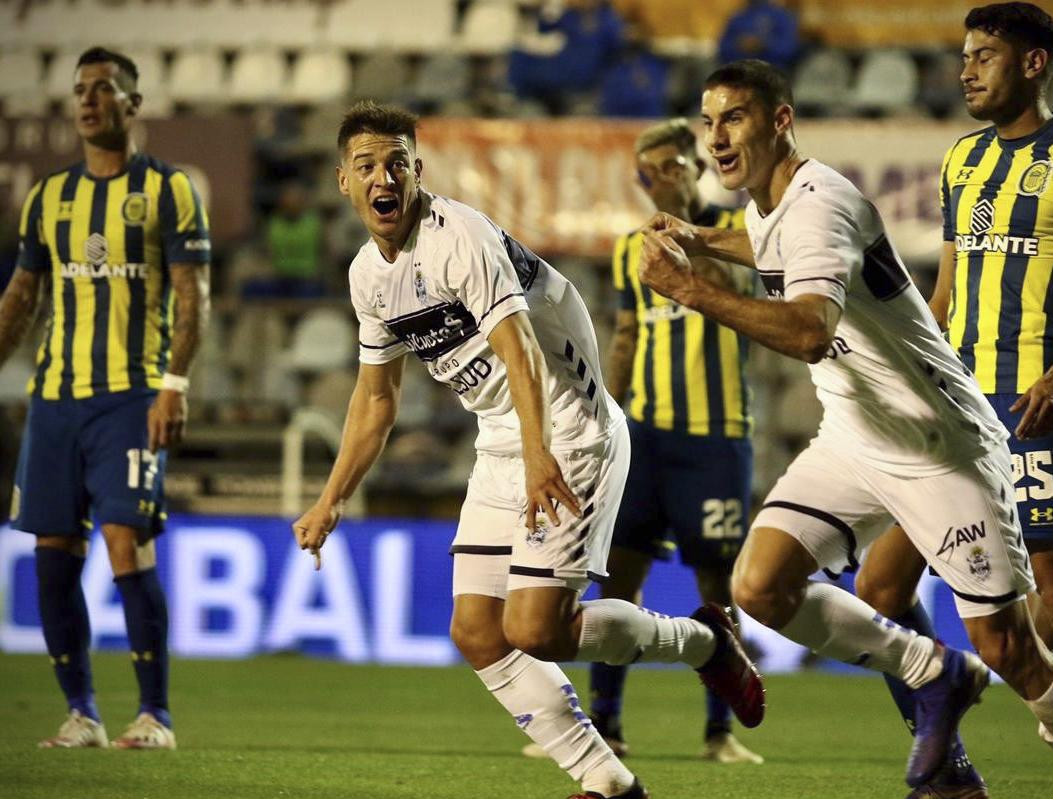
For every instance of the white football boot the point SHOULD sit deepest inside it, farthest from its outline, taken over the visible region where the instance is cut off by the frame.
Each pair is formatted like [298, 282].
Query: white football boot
[146, 732]
[77, 731]
[726, 748]
[1045, 734]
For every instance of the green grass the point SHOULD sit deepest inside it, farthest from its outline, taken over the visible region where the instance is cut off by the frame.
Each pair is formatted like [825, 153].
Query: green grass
[293, 727]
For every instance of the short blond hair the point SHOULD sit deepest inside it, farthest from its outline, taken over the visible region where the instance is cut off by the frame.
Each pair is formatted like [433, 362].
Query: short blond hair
[672, 131]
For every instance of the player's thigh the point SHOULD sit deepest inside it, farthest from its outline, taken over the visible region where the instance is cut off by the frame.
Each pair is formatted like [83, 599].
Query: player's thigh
[123, 477]
[575, 552]
[889, 576]
[50, 498]
[826, 506]
[706, 494]
[964, 523]
[641, 525]
[130, 549]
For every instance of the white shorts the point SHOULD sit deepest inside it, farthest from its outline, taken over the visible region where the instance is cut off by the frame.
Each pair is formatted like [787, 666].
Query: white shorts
[963, 522]
[493, 551]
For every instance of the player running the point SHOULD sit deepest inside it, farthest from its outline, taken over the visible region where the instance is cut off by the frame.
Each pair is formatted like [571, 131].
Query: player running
[513, 339]
[120, 237]
[905, 430]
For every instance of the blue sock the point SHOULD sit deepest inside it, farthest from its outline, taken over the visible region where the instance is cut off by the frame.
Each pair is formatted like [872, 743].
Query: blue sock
[606, 686]
[918, 620]
[146, 617]
[67, 630]
[718, 715]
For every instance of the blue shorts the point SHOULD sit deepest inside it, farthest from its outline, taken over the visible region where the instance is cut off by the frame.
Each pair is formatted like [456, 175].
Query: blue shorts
[685, 492]
[88, 458]
[1032, 473]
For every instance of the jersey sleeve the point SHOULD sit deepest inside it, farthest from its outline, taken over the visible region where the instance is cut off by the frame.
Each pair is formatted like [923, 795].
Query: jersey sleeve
[945, 198]
[620, 275]
[184, 223]
[376, 343]
[821, 247]
[484, 277]
[33, 252]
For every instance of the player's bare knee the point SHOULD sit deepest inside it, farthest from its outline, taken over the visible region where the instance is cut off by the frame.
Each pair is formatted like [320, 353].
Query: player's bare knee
[479, 646]
[540, 640]
[759, 596]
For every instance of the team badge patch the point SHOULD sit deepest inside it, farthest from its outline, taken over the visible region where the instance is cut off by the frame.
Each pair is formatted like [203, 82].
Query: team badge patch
[1035, 178]
[536, 537]
[979, 563]
[378, 299]
[420, 287]
[134, 209]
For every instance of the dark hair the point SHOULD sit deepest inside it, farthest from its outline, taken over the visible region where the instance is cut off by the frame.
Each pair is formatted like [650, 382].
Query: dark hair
[1023, 25]
[368, 116]
[767, 83]
[100, 55]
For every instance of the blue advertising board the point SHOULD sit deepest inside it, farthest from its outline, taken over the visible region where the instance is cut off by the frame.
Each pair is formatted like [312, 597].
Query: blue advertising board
[239, 586]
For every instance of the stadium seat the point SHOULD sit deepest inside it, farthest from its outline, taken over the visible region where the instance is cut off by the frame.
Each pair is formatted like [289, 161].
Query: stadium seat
[941, 87]
[821, 83]
[153, 81]
[22, 82]
[362, 25]
[258, 76]
[382, 75]
[47, 25]
[58, 84]
[320, 76]
[290, 25]
[887, 81]
[323, 339]
[489, 28]
[198, 76]
[441, 78]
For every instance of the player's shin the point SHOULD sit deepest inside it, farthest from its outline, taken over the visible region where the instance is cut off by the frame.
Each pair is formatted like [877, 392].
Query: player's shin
[67, 630]
[619, 632]
[545, 706]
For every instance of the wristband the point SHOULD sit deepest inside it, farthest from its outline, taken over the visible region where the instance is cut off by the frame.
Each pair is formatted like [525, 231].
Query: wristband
[178, 383]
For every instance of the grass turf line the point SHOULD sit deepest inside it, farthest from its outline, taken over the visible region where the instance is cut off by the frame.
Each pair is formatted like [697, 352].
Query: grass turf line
[287, 726]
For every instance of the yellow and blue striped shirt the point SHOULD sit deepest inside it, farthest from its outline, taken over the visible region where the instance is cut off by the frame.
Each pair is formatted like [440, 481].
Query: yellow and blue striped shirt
[107, 244]
[688, 371]
[997, 203]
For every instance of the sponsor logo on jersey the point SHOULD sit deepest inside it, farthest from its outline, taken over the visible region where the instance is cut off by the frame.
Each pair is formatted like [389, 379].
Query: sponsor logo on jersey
[1038, 516]
[65, 211]
[96, 249]
[197, 244]
[133, 271]
[773, 284]
[1035, 178]
[435, 331]
[979, 561]
[134, 209]
[666, 313]
[963, 175]
[957, 536]
[980, 239]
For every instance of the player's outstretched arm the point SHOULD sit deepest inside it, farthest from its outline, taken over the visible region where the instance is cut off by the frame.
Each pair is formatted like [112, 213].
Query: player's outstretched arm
[723, 244]
[940, 301]
[166, 420]
[18, 307]
[802, 328]
[514, 343]
[371, 414]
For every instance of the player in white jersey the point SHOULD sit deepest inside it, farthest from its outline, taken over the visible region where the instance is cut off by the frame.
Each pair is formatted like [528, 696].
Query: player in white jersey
[905, 431]
[512, 338]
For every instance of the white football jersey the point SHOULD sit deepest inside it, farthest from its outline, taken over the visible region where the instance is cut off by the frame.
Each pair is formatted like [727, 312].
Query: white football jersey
[893, 391]
[457, 276]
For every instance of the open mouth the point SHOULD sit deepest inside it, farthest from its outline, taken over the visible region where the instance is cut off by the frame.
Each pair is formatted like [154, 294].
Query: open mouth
[727, 163]
[385, 207]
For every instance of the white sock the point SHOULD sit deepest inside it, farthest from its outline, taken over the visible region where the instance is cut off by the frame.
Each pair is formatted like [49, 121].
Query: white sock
[618, 632]
[839, 625]
[545, 706]
[1043, 709]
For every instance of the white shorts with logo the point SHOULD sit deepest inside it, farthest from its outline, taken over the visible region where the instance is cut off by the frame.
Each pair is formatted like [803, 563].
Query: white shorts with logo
[493, 551]
[963, 522]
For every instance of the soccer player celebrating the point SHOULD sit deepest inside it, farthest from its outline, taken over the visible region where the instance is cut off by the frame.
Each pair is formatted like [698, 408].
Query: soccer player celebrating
[121, 237]
[906, 433]
[991, 295]
[512, 338]
[689, 425]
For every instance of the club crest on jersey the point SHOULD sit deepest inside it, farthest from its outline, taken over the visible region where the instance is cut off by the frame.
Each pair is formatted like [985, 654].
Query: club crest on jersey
[96, 249]
[1035, 178]
[134, 209]
[979, 563]
[420, 288]
[378, 299]
[537, 536]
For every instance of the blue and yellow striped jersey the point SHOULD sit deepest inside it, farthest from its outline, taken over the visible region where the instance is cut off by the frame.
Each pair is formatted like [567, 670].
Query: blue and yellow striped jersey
[107, 244]
[688, 371]
[997, 205]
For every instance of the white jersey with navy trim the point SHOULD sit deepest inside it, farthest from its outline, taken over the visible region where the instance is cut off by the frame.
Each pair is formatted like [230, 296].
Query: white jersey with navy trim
[893, 391]
[456, 277]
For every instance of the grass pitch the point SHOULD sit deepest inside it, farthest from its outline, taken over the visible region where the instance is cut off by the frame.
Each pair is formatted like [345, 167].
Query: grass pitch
[288, 726]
